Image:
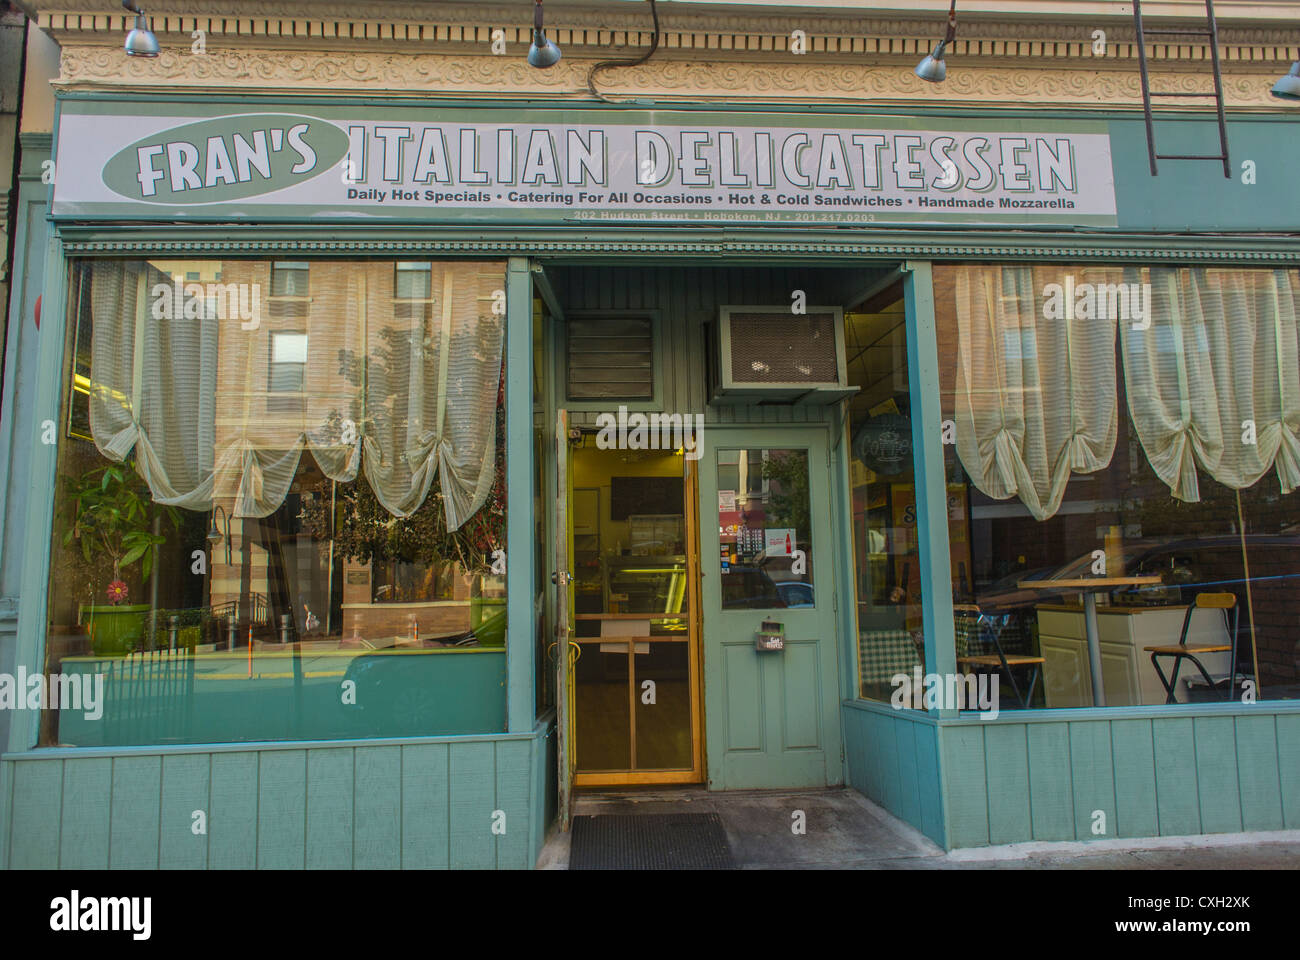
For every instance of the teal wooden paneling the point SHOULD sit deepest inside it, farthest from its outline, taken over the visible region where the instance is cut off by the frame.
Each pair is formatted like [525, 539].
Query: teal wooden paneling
[34, 826]
[473, 789]
[1257, 769]
[512, 793]
[377, 843]
[538, 812]
[330, 809]
[1006, 763]
[966, 786]
[1223, 771]
[929, 781]
[688, 298]
[387, 805]
[6, 810]
[1092, 777]
[1216, 772]
[281, 809]
[83, 839]
[858, 729]
[1177, 801]
[425, 806]
[186, 787]
[520, 532]
[232, 820]
[1288, 765]
[1051, 795]
[134, 813]
[884, 749]
[1133, 755]
[909, 790]
[890, 790]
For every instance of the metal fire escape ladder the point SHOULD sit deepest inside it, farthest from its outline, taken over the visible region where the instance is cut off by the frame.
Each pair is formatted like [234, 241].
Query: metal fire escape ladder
[1212, 32]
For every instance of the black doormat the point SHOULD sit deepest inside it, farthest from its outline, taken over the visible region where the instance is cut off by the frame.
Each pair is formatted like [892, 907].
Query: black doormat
[676, 841]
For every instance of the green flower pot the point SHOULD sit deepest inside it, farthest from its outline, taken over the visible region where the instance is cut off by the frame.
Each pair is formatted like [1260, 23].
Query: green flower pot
[115, 630]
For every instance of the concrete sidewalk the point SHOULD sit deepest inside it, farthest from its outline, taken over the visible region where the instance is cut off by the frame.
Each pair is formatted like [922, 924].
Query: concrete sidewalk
[846, 831]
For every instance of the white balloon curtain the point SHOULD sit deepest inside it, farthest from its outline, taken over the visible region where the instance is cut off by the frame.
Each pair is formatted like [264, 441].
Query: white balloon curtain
[1035, 397]
[1212, 378]
[402, 391]
[1214, 382]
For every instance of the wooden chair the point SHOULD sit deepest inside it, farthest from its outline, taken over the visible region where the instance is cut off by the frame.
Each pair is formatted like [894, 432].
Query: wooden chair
[1181, 651]
[991, 626]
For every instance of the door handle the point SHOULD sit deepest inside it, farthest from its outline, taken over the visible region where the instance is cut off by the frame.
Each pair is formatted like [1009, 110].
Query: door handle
[561, 578]
[550, 651]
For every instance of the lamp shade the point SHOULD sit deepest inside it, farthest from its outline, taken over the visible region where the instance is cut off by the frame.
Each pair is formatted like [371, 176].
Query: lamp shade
[542, 52]
[1288, 88]
[141, 42]
[932, 68]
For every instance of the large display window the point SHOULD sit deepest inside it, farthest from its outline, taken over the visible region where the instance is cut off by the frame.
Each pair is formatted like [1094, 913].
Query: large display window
[1122, 444]
[281, 509]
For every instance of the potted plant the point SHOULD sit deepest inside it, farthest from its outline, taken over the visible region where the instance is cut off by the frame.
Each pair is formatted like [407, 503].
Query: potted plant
[111, 516]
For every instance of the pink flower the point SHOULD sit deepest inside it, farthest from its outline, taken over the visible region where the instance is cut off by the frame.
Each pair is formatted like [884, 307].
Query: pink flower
[116, 591]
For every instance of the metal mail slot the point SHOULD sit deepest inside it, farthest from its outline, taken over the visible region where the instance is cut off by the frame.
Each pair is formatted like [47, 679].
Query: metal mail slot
[770, 637]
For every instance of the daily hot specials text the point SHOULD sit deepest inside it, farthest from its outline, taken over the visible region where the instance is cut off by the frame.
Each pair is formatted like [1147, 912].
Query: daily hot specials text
[301, 163]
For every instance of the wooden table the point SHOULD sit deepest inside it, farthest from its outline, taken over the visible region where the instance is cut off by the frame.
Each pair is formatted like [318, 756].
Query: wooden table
[1089, 586]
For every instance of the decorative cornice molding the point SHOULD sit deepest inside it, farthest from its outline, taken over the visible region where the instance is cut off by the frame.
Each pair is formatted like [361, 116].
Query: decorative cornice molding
[628, 26]
[992, 81]
[868, 244]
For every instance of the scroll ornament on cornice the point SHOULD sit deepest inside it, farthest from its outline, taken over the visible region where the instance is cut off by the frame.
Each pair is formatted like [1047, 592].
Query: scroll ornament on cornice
[393, 72]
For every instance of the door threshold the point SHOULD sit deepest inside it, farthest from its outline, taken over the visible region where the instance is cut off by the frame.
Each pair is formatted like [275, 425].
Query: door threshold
[638, 792]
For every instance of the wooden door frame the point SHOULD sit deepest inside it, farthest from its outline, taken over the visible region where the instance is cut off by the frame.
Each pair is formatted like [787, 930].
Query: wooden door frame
[695, 662]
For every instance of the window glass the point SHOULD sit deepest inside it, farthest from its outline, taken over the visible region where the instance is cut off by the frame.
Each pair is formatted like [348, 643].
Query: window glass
[765, 529]
[230, 564]
[1118, 437]
[887, 571]
[413, 280]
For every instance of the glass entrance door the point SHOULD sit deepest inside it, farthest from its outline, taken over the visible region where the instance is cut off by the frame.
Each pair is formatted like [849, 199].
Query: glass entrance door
[636, 716]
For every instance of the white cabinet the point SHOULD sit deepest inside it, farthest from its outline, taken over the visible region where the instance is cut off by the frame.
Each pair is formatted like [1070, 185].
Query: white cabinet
[1127, 674]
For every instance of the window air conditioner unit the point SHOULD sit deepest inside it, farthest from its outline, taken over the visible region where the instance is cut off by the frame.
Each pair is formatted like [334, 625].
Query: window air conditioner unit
[768, 354]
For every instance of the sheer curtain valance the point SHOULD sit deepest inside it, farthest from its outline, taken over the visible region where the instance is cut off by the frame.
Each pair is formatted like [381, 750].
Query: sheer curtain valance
[1214, 381]
[381, 370]
[1035, 388]
[1210, 372]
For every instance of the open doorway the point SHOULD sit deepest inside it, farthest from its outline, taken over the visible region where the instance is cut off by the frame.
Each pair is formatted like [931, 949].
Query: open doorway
[636, 676]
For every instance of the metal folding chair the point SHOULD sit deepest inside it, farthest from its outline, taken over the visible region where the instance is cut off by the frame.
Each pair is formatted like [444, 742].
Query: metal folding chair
[992, 627]
[1181, 651]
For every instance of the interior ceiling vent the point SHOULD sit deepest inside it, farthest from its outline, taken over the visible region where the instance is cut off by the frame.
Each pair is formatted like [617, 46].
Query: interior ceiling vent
[769, 354]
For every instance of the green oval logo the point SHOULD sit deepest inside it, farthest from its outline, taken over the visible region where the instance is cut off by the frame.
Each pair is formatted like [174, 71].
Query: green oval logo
[225, 158]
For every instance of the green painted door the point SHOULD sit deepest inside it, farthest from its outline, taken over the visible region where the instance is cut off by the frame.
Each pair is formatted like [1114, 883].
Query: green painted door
[765, 541]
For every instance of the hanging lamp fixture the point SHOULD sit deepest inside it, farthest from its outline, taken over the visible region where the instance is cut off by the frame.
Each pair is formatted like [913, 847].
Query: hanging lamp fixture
[933, 68]
[140, 42]
[542, 53]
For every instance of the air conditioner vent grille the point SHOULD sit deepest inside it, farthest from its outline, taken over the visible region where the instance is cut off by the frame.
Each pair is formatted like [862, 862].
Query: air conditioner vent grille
[775, 348]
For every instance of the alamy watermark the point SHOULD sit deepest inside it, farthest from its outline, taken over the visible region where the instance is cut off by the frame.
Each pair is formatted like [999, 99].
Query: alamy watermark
[200, 301]
[1098, 301]
[655, 431]
[58, 691]
[75, 913]
[946, 691]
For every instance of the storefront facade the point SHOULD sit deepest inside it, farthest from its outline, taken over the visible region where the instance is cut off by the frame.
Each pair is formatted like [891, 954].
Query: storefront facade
[404, 386]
